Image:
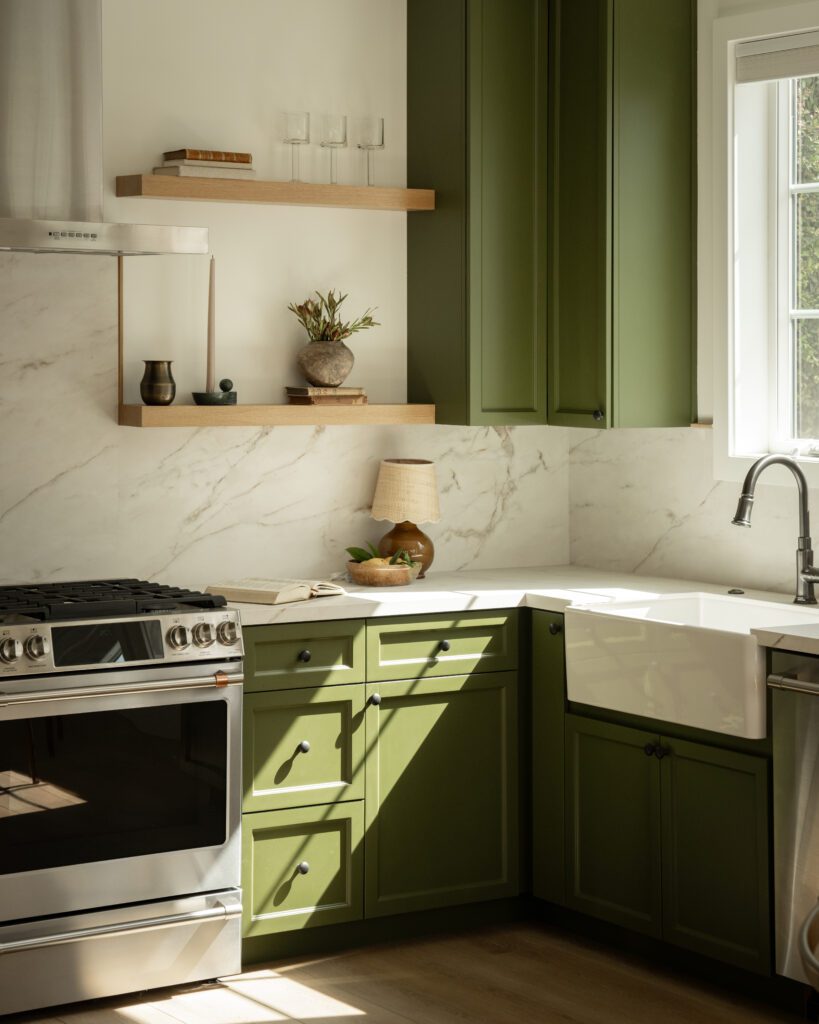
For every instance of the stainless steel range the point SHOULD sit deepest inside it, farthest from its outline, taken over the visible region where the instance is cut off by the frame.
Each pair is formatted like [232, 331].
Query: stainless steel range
[120, 790]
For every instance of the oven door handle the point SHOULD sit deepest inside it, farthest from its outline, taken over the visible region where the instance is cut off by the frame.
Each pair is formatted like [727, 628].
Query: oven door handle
[791, 685]
[221, 911]
[217, 679]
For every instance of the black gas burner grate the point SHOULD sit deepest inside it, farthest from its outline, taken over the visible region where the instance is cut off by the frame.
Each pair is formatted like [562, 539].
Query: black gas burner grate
[98, 599]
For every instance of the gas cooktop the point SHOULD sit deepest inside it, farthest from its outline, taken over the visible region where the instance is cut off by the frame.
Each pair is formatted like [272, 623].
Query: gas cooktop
[50, 628]
[98, 599]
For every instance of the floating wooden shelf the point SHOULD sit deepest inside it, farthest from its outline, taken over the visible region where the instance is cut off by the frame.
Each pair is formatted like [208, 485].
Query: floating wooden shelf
[294, 193]
[272, 415]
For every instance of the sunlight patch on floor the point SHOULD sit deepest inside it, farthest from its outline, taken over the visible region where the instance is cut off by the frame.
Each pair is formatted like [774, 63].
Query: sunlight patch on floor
[291, 997]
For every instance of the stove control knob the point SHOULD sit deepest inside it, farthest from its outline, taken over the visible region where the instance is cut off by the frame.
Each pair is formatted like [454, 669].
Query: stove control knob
[227, 633]
[37, 646]
[10, 650]
[203, 635]
[178, 638]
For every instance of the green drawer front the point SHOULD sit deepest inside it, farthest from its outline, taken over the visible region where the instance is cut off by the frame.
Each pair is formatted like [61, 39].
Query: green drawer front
[279, 772]
[442, 645]
[292, 656]
[277, 896]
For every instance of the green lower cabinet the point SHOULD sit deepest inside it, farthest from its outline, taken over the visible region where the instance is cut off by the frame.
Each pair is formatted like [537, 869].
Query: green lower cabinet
[613, 824]
[442, 792]
[303, 747]
[547, 744]
[670, 838]
[716, 894]
[302, 868]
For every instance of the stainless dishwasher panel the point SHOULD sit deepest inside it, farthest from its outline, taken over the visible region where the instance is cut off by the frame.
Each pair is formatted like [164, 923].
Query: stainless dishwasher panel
[149, 945]
[795, 722]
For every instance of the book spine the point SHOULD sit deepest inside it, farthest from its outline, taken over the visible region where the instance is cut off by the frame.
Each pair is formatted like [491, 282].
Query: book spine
[328, 400]
[182, 162]
[225, 156]
[206, 172]
[304, 392]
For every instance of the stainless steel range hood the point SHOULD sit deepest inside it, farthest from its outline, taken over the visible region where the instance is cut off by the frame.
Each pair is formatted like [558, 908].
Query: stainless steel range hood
[51, 182]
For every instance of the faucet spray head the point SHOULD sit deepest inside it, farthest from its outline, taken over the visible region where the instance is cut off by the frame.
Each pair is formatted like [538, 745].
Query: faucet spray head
[744, 508]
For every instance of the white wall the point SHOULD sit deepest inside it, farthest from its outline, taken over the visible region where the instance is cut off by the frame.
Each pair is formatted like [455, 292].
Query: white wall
[82, 497]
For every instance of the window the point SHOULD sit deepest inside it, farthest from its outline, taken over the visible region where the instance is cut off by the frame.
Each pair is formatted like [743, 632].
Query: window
[773, 383]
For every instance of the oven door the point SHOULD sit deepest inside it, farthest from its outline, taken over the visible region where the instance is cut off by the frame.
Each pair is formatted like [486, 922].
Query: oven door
[118, 790]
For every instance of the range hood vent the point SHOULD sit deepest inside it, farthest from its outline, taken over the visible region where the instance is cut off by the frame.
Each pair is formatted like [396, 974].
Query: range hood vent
[51, 181]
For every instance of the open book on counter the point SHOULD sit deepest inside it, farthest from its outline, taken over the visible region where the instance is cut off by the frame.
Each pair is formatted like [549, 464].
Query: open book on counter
[255, 591]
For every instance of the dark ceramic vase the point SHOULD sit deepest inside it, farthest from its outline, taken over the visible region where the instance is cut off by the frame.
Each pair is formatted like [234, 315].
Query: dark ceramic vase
[157, 386]
[325, 364]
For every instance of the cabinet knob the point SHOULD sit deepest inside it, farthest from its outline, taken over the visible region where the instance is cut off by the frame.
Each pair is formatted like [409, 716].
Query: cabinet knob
[304, 746]
[303, 868]
[304, 656]
[597, 415]
[375, 700]
[555, 628]
[444, 645]
[650, 749]
[661, 752]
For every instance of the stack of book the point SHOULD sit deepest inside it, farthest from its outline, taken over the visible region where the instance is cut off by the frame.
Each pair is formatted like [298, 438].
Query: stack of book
[326, 396]
[206, 163]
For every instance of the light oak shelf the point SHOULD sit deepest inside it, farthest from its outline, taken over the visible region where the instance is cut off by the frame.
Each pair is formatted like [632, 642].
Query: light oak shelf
[293, 193]
[272, 415]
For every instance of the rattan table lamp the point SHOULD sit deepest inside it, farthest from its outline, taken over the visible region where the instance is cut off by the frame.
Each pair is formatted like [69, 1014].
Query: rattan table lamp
[406, 493]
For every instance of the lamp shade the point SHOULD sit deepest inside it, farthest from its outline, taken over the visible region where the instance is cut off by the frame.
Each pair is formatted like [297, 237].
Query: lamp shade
[406, 489]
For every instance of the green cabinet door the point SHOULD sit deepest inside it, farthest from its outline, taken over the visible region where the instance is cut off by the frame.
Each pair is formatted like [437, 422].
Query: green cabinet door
[303, 747]
[301, 868]
[548, 705]
[476, 274]
[441, 792]
[613, 824]
[621, 213]
[716, 887]
[290, 656]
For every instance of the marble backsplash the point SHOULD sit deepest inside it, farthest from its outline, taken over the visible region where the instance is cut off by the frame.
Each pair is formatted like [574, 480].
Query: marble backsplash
[645, 501]
[82, 497]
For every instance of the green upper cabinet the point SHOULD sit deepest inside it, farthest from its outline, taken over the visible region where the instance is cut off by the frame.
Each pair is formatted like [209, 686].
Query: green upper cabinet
[621, 213]
[476, 132]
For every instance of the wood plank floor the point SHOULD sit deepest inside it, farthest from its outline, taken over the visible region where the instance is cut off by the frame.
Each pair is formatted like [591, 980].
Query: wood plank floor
[515, 974]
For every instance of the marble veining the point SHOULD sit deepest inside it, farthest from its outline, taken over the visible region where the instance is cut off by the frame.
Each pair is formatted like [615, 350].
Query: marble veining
[83, 497]
[645, 501]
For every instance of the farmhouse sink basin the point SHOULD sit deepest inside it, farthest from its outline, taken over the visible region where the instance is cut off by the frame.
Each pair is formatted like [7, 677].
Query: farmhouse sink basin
[689, 659]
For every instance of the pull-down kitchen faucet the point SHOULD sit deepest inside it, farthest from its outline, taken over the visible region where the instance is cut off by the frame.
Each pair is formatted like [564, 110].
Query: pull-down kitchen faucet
[806, 574]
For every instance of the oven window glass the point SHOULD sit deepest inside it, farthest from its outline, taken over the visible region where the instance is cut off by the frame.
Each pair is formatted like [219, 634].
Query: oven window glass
[109, 784]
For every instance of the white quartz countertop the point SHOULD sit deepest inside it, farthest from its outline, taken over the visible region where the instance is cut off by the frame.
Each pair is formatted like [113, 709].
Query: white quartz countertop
[799, 639]
[551, 588]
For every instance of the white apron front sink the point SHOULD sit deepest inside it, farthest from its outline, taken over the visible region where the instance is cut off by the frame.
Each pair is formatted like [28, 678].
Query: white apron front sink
[689, 659]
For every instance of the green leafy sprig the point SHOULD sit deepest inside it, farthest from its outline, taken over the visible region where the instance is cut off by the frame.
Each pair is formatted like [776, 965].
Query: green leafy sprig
[322, 321]
[401, 557]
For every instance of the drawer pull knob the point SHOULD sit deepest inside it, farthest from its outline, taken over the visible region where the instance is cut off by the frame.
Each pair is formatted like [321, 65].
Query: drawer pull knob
[305, 656]
[650, 749]
[555, 628]
[661, 752]
[444, 645]
[597, 415]
[303, 868]
[304, 746]
[375, 700]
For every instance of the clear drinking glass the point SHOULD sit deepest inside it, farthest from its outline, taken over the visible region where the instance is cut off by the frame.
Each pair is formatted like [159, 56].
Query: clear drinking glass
[333, 137]
[370, 138]
[296, 134]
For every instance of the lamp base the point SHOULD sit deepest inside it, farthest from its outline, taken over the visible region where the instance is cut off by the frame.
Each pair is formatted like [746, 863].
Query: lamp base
[415, 542]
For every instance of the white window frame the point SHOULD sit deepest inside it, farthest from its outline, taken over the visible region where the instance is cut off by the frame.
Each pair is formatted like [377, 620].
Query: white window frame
[716, 177]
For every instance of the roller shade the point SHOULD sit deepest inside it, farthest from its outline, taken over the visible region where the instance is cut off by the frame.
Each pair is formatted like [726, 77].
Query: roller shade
[766, 60]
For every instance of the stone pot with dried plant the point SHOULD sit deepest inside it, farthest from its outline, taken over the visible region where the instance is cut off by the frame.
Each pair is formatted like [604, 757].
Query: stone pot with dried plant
[326, 361]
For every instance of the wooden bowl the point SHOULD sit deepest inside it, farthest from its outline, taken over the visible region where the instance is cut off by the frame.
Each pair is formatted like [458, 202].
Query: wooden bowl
[382, 575]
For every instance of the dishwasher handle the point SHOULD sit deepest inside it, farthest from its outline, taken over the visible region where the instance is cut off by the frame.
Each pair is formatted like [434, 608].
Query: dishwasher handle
[791, 685]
